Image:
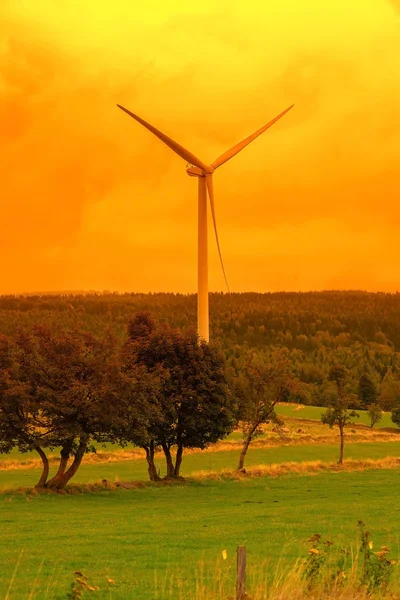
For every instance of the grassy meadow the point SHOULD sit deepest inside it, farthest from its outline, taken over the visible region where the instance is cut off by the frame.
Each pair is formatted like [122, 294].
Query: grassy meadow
[166, 541]
[159, 537]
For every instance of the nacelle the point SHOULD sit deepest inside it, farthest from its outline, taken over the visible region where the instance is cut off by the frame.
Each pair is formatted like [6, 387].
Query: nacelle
[195, 172]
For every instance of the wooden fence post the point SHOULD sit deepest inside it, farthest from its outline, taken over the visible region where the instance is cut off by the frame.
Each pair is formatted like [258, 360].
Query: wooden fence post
[241, 572]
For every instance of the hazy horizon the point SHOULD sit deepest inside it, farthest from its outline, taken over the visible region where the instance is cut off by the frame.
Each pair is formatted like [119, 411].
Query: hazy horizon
[156, 292]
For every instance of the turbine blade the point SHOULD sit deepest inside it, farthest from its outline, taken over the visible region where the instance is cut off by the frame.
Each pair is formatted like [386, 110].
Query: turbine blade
[210, 189]
[177, 148]
[233, 151]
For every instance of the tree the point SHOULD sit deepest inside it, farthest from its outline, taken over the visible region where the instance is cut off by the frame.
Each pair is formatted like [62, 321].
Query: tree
[367, 393]
[79, 394]
[389, 394]
[338, 412]
[375, 414]
[396, 416]
[20, 419]
[194, 407]
[311, 373]
[259, 386]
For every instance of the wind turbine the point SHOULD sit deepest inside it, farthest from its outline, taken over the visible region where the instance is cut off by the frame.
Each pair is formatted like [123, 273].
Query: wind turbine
[204, 173]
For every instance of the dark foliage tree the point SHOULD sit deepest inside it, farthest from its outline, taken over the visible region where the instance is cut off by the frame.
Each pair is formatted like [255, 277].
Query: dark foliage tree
[21, 422]
[389, 395]
[367, 393]
[141, 326]
[194, 406]
[79, 392]
[396, 416]
[338, 412]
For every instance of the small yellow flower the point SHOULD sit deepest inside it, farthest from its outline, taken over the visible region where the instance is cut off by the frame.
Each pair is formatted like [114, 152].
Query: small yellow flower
[371, 545]
[110, 580]
[314, 551]
[224, 554]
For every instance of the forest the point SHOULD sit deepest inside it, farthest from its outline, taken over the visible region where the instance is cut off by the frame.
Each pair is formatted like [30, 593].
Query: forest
[358, 330]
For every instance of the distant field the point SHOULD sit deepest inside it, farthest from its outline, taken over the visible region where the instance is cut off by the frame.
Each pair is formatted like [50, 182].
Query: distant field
[208, 461]
[154, 538]
[314, 412]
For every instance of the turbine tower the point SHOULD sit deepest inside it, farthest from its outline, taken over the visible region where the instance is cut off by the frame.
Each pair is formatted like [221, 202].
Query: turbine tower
[204, 173]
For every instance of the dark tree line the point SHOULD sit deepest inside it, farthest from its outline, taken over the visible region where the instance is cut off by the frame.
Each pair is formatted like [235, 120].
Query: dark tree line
[69, 390]
[358, 330]
[299, 320]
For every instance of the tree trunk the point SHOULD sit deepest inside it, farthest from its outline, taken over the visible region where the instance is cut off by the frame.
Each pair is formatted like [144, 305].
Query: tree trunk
[178, 460]
[45, 473]
[168, 458]
[150, 461]
[77, 460]
[245, 447]
[341, 430]
[65, 453]
[59, 483]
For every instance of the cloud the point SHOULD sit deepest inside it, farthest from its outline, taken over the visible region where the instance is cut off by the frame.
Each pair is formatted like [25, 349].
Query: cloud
[93, 199]
[59, 150]
[395, 4]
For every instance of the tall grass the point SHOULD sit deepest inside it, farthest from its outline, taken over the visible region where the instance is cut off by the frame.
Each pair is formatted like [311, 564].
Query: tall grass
[283, 584]
[353, 573]
[327, 572]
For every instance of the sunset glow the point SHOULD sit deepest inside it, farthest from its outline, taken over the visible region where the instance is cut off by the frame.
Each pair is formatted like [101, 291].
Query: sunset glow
[91, 200]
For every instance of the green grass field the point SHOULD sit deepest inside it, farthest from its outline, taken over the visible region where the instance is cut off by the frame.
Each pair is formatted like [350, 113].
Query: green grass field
[154, 541]
[156, 537]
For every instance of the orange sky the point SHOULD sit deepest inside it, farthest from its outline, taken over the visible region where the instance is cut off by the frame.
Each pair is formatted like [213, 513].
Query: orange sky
[91, 200]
